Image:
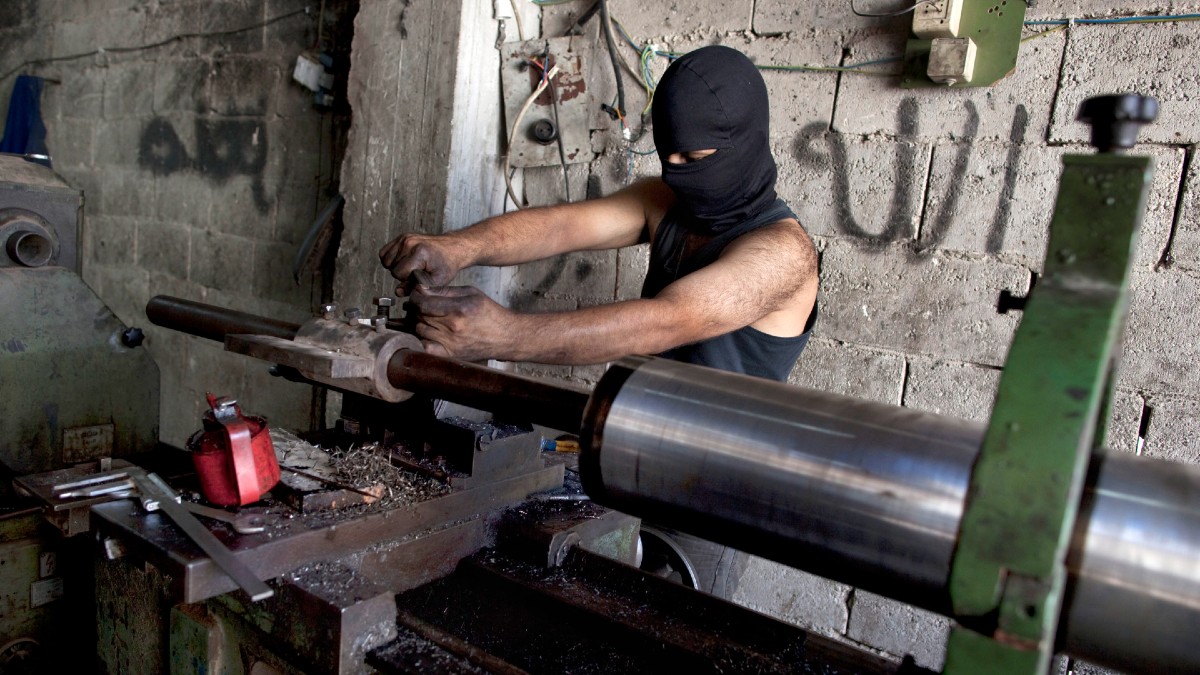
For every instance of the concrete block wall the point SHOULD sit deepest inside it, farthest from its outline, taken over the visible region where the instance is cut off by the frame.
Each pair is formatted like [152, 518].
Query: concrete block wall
[202, 166]
[925, 206]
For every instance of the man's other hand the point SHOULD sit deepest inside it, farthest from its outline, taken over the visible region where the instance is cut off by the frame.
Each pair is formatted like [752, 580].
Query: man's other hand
[411, 252]
[463, 322]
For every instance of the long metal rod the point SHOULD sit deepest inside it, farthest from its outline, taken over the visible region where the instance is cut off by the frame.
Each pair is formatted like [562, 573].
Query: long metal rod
[872, 495]
[478, 386]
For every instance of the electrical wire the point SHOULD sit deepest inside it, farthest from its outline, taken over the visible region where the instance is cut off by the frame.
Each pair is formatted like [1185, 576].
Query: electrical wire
[512, 137]
[517, 17]
[612, 54]
[886, 15]
[562, 153]
[1148, 18]
[161, 43]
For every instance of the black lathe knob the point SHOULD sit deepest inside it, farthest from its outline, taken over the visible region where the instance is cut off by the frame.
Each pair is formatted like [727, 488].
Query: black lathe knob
[1115, 120]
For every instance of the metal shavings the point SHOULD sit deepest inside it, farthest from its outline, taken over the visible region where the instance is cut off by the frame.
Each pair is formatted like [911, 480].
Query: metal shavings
[365, 467]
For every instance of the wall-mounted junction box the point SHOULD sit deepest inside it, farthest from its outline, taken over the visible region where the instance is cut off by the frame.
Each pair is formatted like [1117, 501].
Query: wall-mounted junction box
[535, 143]
[936, 56]
[938, 19]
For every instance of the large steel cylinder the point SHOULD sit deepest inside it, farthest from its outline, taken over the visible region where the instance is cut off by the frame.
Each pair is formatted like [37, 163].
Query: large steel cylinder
[872, 495]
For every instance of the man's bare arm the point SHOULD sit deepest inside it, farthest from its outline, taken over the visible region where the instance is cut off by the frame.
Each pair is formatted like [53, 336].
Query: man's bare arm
[770, 271]
[531, 234]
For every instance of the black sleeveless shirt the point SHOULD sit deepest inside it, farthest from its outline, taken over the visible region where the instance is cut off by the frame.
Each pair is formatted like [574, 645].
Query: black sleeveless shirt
[746, 350]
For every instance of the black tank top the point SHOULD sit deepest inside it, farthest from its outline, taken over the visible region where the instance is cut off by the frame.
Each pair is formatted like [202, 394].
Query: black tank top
[746, 350]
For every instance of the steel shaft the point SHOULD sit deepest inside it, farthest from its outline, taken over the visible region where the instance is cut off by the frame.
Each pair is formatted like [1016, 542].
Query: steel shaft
[872, 495]
[556, 406]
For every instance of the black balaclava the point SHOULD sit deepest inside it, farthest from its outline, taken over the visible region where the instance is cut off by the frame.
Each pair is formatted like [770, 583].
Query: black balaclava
[714, 97]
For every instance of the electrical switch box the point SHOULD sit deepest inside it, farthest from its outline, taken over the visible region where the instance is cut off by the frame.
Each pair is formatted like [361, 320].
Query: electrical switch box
[938, 19]
[560, 114]
[952, 60]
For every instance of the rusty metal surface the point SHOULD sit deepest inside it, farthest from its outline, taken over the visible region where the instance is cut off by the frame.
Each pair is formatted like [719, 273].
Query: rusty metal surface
[326, 614]
[593, 615]
[302, 539]
[507, 395]
[71, 515]
[214, 323]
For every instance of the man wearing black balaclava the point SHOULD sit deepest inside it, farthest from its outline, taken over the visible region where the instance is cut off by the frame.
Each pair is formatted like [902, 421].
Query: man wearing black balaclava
[732, 281]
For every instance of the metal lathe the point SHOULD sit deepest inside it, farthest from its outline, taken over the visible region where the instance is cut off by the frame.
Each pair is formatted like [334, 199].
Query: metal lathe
[486, 553]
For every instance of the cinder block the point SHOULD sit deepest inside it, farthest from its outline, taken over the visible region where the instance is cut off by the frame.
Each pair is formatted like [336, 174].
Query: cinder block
[545, 185]
[236, 85]
[164, 247]
[18, 13]
[1159, 356]
[126, 93]
[794, 596]
[181, 85]
[210, 368]
[1185, 247]
[166, 144]
[962, 390]
[651, 20]
[850, 370]
[928, 304]
[285, 404]
[541, 371]
[273, 275]
[1124, 424]
[124, 289]
[125, 193]
[992, 198]
[1140, 58]
[80, 96]
[220, 260]
[565, 282]
[164, 20]
[556, 19]
[1174, 430]
[899, 629]
[843, 186]
[240, 206]
[184, 198]
[111, 240]
[71, 142]
[632, 263]
[283, 36]
[784, 16]
[617, 167]
[101, 27]
[118, 143]
[870, 105]
[296, 209]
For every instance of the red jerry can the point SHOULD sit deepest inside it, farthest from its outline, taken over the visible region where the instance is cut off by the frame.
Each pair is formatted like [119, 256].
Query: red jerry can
[233, 455]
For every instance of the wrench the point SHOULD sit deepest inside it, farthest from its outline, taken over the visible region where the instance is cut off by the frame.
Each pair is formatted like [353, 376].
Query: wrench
[243, 523]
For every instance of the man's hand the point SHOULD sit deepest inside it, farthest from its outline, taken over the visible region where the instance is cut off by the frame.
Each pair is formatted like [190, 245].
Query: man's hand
[436, 255]
[462, 322]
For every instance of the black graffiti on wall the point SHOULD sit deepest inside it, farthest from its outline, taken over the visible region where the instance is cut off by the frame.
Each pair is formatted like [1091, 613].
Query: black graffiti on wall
[906, 180]
[224, 149]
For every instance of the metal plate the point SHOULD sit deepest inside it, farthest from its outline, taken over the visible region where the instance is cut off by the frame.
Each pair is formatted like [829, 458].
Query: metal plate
[520, 78]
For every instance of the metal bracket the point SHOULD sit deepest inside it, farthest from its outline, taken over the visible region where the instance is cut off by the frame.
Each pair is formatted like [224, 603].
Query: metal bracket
[1008, 572]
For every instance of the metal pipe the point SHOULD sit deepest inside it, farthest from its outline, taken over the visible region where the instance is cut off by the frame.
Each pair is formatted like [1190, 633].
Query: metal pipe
[212, 322]
[872, 495]
[556, 406]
